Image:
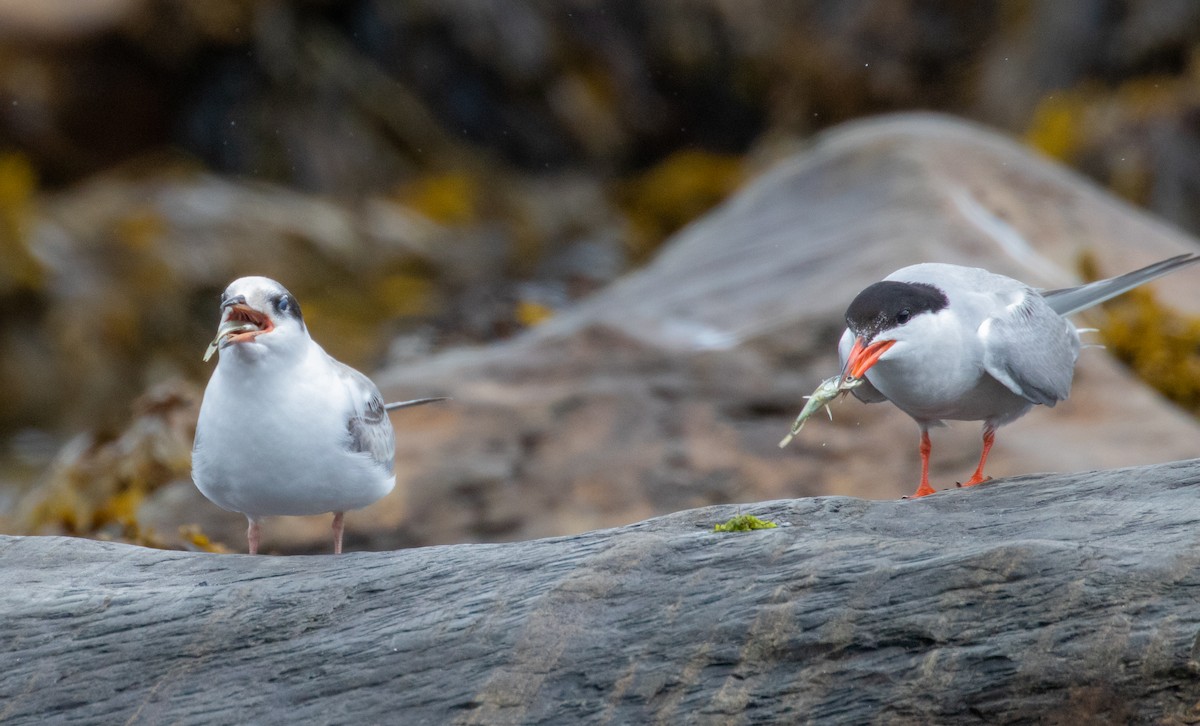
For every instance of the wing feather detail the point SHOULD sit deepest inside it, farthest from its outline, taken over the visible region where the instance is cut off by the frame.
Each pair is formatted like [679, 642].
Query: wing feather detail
[368, 425]
[1040, 372]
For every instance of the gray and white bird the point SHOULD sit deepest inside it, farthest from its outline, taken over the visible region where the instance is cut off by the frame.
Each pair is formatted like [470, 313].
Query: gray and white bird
[944, 342]
[284, 428]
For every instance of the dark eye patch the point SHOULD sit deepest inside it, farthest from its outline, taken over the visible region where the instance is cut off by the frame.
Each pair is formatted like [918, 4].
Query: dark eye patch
[285, 304]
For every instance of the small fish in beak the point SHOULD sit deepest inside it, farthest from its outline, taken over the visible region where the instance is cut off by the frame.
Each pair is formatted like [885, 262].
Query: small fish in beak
[241, 324]
[829, 389]
[225, 334]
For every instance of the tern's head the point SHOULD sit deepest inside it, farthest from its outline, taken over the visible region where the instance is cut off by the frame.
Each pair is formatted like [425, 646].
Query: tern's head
[885, 314]
[259, 316]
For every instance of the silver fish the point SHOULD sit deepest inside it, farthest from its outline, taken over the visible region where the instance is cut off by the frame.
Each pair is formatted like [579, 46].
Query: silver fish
[829, 389]
[228, 329]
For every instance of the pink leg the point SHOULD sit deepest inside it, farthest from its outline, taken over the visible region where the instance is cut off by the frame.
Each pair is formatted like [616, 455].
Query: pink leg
[252, 536]
[926, 447]
[338, 527]
[989, 438]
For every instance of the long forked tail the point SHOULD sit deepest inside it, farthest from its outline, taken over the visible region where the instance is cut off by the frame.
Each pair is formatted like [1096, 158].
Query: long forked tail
[414, 402]
[1073, 299]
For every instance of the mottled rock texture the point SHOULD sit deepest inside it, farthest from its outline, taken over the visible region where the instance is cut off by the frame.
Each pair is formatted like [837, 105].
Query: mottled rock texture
[1041, 599]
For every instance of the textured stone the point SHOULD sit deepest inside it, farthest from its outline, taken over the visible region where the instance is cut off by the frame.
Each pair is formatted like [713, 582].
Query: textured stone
[1042, 599]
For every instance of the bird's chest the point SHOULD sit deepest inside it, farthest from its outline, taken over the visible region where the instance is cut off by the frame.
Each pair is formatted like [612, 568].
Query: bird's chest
[271, 427]
[919, 387]
[942, 380]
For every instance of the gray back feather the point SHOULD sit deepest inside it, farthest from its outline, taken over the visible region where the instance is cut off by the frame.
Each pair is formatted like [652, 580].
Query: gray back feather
[369, 427]
[1031, 350]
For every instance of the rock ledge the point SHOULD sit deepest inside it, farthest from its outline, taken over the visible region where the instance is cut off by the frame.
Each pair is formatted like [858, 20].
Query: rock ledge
[1052, 598]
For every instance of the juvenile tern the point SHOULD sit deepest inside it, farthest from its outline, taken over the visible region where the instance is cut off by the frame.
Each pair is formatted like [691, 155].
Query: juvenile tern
[284, 428]
[960, 343]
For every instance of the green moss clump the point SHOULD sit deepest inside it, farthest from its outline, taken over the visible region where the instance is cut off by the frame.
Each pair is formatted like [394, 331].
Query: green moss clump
[744, 523]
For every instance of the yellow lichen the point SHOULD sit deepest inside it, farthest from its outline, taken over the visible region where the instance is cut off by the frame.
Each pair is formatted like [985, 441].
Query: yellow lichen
[450, 198]
[404, 294]
[679, 189]
[193, 536]
[141, 231]
[529, 313]
[97, 485]
[1057, 126]
[1107, 127]
[353, 316]
[1157, 342]
[18, 183]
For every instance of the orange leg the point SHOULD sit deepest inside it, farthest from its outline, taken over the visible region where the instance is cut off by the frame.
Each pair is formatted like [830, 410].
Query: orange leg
[252, 536]
[989, 438]
[926, 448]
[338, 527]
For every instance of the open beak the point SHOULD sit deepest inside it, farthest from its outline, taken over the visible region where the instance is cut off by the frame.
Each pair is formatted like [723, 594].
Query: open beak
[863, 356]
[240, 324]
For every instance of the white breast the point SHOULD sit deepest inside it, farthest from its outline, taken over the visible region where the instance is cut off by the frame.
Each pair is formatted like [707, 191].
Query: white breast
[272, 442]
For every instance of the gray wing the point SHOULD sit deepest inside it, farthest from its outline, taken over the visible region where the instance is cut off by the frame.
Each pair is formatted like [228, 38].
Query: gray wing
[1030, 349]
[1073, 299]
[368, 424]
[867, 393]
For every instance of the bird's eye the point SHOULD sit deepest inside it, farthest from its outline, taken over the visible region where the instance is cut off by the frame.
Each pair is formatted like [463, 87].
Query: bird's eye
[284, 304]
[903, 316]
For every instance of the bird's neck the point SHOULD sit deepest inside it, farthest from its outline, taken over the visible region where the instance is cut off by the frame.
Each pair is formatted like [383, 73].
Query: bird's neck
[257, 365]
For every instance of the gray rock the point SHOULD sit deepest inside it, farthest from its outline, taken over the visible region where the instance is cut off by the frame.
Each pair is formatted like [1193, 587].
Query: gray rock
[1041, 599]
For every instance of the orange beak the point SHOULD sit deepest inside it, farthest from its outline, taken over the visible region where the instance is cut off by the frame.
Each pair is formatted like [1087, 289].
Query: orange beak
[249, 315]
[863, 356]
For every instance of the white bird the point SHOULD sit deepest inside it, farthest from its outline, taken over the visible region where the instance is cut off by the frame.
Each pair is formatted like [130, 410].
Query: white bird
[964, 344]
[284, 428]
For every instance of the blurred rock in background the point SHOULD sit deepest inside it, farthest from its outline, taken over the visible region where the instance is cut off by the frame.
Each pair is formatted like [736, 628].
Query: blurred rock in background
[430, 174]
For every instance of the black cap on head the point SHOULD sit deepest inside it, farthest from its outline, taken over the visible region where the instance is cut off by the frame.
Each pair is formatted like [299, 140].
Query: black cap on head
[888, 304]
